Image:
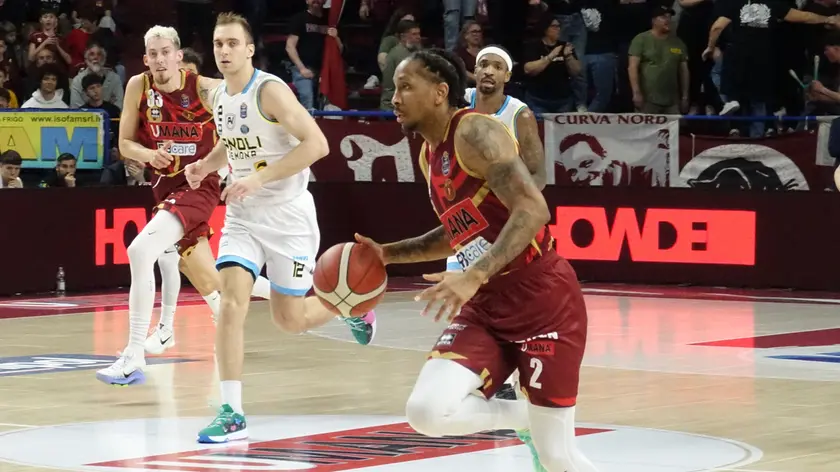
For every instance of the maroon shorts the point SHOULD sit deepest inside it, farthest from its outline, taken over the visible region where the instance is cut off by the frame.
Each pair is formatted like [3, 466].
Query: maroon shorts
[533, 320]
[193, 208]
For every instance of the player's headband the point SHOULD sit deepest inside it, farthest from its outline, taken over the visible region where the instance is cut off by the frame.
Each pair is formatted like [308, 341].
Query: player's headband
[497, 51]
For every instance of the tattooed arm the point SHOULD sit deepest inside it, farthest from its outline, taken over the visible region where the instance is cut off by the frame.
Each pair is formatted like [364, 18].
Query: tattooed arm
[486, 149]
[432, 246]
[530, 146]
[207, 91]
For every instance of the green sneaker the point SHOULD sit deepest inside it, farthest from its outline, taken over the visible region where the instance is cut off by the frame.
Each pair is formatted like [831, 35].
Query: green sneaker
[228, 426]
[525, 436]
[363, 328]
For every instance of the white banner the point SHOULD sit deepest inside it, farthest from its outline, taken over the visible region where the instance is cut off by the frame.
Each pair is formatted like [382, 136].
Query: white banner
[823, 158]
[611, 149]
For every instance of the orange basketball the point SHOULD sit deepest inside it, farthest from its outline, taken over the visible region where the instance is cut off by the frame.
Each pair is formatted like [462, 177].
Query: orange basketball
[350, 279]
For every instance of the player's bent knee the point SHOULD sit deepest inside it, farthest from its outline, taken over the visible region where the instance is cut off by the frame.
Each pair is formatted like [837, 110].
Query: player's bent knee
[288, 313]
[424, 414]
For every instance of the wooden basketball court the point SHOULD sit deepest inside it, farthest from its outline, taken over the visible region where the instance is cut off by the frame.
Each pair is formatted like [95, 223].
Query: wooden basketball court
[673, 381]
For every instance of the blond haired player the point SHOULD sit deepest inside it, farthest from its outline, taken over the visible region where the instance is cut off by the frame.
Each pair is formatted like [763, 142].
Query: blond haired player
[167, 124]
[270, 141]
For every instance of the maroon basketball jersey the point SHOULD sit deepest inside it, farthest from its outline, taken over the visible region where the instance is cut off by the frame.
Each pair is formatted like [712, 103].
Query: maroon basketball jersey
[472, 215]
[181, 117]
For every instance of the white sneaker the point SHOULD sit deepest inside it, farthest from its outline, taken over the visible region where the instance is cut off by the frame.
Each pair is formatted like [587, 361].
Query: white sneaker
[372, 82]
[160, 340]
[730, 107]
[126, 370]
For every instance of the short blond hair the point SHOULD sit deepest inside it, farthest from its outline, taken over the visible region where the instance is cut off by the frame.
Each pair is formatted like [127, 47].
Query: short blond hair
[230, 18]
[162, 32]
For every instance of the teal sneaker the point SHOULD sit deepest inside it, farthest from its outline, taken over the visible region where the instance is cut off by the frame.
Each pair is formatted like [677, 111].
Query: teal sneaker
[525, 436]
[363, 328]
[228, 426]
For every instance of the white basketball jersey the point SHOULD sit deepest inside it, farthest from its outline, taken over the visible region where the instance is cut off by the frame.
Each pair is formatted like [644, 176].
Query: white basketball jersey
[507, 113]
[253, 141]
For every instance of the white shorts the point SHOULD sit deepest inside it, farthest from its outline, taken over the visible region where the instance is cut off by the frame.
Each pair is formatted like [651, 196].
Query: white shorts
[283, 237]
[452, 264]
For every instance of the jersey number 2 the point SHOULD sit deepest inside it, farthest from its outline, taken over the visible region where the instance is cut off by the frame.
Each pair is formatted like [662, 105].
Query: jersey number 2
[537, 365]
[153, 99]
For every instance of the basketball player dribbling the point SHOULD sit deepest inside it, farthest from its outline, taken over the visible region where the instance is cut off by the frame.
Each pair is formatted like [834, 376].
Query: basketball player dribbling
[518, 305]
[270, 141]
[167, 123]
[493, 67]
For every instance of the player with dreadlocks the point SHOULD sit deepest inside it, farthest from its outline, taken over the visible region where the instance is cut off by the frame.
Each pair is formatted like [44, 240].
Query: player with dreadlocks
[517, 305]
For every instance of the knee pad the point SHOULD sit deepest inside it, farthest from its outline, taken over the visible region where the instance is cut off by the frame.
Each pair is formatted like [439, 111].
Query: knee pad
[423, 415]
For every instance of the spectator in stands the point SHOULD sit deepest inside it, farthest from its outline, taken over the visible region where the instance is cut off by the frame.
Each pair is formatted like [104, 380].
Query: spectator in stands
[47, 38]
[550, 65]
[469, 44]
[455, 13]
[409, 34]
[573, 30]
[64, 174]
[192, 60]
[125, 172]
[823, 98]
[77, 40]
[44, 56]
[601, 50]
[15, 54]
[12, 101]
[693, 29]
[749, 64]
[305, 47]
[48, 94]
[7, 60]
[390, 38]
[10, 162]
[658, 68]
[5, 99]
[92, 86]
[635, 19]
[112, 87]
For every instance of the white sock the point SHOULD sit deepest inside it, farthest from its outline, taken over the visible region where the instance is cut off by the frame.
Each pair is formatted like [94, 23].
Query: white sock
[214, 301]
[159, 234]
[262, 288]
[232, 394]
[553, 433]
[170, 286]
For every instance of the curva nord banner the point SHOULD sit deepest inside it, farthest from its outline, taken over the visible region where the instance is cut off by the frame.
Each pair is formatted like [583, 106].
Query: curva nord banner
[610, 234]
[586, 149]
[614, 150]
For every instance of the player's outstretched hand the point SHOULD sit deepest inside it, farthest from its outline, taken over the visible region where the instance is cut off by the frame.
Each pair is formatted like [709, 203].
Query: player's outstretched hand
[161, 159]
[239, 189]
[373, 245]
[453, 290]
[194, 173]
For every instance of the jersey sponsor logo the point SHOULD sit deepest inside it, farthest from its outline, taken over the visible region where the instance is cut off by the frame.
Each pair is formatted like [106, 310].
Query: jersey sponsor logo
[472, 252]
[462, 221]
[51, 363]
[538, 348]
[242, 147]
[446, 339]
[244, 129]
[445, 163]
[448, 190]
[552, 335]
[191, 132]
[185, 100]
[243, 111]
[181, 149]
[230, 121]
[153, 115]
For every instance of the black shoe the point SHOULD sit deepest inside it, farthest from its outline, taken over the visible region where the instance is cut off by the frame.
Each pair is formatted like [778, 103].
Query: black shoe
[507, 392]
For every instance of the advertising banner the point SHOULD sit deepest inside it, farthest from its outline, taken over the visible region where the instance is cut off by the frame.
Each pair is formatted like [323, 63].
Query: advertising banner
[40, 136]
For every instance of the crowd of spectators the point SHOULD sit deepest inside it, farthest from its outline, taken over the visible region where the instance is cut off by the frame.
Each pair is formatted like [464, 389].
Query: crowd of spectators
[757, 57]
